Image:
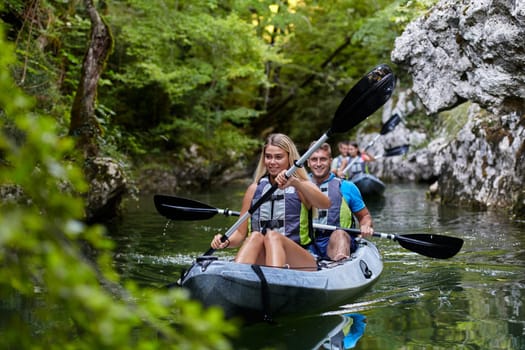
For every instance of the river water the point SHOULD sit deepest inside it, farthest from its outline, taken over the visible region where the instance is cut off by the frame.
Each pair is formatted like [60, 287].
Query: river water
[474, 300]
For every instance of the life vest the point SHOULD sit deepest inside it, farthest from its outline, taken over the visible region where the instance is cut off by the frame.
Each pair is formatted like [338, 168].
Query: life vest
[280, 213]
[339, 214]
[336, 163]
[358, 166]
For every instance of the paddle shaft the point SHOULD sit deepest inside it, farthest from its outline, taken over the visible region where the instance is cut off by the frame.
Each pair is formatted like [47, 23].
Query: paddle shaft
[389, 126]
[351, 163]
[355, 231]
[394, 151]
[225, 212]
[228, 212]
[433, 246]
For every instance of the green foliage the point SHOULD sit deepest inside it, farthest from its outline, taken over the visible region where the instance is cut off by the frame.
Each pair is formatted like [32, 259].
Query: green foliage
[379, 31]
[76, 298]
[328, 46]
[186, 84]
[182, 70]
[50, 44]
[235, 146]
[201, 57]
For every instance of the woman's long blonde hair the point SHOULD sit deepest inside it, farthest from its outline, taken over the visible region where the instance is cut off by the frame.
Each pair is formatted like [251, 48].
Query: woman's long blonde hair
[285, 143]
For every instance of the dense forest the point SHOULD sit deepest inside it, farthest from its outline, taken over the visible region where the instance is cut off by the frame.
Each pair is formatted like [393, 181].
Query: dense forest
[145, 82]
[203, 81]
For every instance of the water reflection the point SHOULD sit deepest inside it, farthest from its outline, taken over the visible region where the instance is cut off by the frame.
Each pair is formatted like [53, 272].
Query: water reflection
[346, 335]
[339, 331]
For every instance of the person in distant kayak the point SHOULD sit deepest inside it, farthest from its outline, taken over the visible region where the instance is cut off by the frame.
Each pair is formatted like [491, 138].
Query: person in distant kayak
[346, 199]
[339, 162]
[275, 225]
[357, 160]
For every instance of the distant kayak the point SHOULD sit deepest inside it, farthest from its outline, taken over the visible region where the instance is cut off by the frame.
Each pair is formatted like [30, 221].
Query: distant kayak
[369, 185]
[254, 291]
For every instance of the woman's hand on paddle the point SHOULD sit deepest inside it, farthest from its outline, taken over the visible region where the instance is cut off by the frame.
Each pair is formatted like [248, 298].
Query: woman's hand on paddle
[282, 181]
[216, 243]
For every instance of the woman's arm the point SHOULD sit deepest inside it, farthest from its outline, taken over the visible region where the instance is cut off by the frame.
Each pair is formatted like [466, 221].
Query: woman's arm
[367, 157]
[312, 195]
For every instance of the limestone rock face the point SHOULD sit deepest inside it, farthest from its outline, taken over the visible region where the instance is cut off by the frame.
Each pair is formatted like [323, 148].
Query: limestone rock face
[484, 164]
[466, 50]
[107, 186]
[470, 51]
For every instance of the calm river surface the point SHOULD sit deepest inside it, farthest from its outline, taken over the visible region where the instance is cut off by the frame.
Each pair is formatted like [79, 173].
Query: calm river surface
[474, 300]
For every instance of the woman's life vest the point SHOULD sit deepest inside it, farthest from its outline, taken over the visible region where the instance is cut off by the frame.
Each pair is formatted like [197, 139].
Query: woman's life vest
[358, 167]
[280, 213]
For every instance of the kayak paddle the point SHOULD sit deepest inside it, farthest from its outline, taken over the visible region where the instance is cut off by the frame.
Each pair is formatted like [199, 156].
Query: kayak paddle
[178, 208]
[394, 151]
[389, 125]
[370, 93]
[431, 245]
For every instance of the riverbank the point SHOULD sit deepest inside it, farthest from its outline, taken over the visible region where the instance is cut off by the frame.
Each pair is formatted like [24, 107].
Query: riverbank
[163, 176]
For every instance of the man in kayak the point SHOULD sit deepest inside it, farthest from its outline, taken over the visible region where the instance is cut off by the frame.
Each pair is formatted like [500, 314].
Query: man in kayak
[346, 200]
[339, 162]
[275, 225]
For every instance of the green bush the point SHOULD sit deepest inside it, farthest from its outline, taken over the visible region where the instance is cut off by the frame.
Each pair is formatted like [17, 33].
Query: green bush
[57, 286]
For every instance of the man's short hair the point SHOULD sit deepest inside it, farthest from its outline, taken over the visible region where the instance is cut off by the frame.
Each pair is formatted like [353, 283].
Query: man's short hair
[325, 147]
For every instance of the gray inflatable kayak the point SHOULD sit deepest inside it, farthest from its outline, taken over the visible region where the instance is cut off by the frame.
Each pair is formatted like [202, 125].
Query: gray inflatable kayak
[254, 291]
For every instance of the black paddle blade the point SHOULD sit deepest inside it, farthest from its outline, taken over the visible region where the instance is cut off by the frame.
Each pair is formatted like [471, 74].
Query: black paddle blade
[390, 124]
[433, 246]
[178, 208]
[366, 97]
[396, 151]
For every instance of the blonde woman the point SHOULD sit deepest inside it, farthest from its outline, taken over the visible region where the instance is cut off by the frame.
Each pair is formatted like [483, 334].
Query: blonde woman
[274, 238]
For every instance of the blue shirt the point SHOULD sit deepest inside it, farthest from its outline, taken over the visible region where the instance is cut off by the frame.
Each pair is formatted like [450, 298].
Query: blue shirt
[352, 196]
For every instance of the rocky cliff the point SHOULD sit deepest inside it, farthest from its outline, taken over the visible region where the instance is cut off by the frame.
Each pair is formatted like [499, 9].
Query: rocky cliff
[469, 53]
